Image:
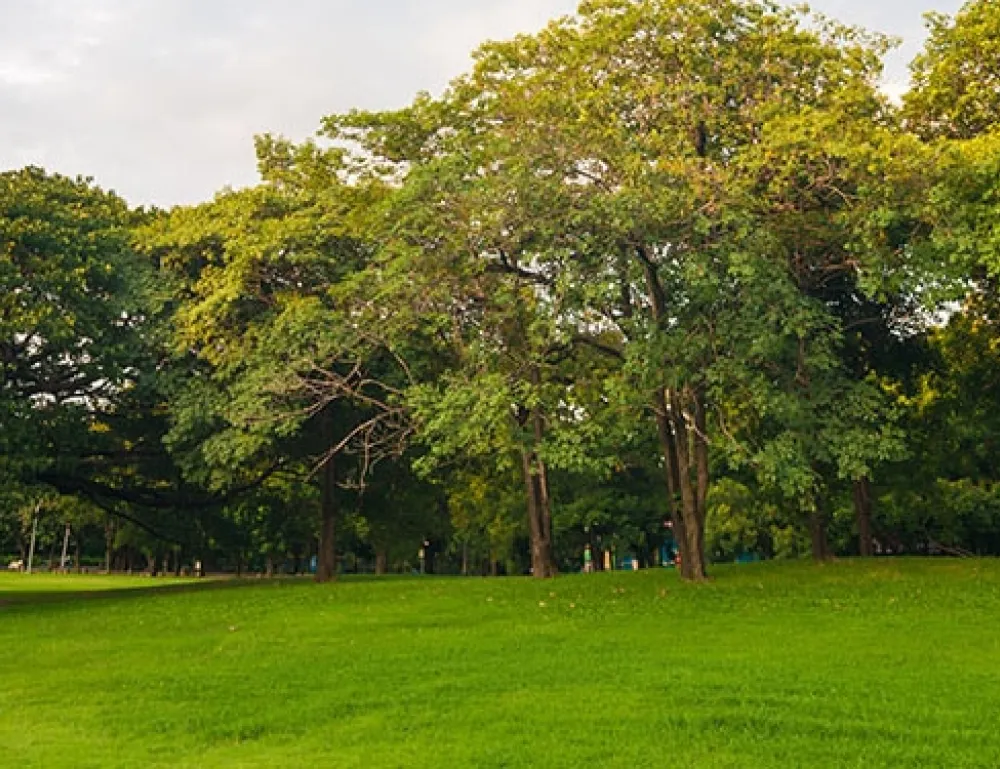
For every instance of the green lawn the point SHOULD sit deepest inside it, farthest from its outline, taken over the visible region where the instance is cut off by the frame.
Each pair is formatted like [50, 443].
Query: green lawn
[891, 663]
[32, 588]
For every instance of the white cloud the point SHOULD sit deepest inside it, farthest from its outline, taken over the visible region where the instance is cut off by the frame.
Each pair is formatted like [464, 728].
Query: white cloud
[14, 74]
[160, 99]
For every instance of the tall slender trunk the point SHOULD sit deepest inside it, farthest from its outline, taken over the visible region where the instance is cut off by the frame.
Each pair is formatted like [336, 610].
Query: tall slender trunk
[684, 447]
[65, 548]
[542, 489]
[691, 449]
[536, 482]
[665, 434]
[817, 533]
[326, 566]
[109, 543]
[381, 560]
[541, 547]
[863, 510]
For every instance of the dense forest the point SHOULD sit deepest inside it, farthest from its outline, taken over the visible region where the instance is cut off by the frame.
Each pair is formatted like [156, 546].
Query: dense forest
[668, 276]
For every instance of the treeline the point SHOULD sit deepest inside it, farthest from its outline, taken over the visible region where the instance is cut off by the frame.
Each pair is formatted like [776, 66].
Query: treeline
[667, 275]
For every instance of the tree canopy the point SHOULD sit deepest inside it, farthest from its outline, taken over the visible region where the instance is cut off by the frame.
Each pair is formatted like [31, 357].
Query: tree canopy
[665, 275]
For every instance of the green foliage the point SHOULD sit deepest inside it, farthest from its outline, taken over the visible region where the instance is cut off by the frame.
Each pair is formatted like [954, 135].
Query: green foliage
[72, 295]
[955, 91]
[658, 247]
[964, 207]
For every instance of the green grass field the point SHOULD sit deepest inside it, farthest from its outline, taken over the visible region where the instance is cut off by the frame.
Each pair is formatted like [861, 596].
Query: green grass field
[890, 663]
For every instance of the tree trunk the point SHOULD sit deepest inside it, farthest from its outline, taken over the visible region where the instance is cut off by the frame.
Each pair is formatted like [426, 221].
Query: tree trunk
[665, 435]
[817, 534]
[542, 490]
[109, 542]
[381, 561]
[76, 557]
[541, 547]
[685, 464]
[65, 548]
[536, 483]
[685, 451]
[269, 566]
[326, 560]
[863, 510]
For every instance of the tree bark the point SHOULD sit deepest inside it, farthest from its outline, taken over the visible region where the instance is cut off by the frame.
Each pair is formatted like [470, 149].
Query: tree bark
[665, 434]
[109, 542]
[685, 450]
[863, 510]
[536, 484]
[544, 505]
[817, 534]
[381, 561]
[541, 547]
[685, 457]
[326, 560]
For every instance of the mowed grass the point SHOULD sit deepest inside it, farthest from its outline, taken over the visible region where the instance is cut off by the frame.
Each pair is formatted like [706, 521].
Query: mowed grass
[33, 588]
[889, 663]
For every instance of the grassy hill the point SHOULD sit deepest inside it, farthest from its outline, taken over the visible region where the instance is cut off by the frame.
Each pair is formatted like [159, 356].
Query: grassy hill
[888, 663]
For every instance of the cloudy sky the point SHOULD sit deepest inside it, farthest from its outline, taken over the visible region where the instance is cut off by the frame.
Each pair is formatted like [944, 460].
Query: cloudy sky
[160, 99]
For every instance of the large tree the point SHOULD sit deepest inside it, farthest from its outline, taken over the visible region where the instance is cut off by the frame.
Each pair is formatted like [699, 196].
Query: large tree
[292, 371]
[599, 161]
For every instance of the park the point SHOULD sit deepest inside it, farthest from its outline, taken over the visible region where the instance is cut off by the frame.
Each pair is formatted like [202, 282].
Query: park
[886, 663]
[629, 398]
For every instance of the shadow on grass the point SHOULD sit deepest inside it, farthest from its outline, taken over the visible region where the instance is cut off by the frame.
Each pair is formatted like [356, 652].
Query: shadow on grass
[33, 597]
[42, 596]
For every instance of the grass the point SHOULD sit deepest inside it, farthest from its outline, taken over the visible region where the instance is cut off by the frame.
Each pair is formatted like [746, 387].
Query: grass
[46, 586]
[888, 663]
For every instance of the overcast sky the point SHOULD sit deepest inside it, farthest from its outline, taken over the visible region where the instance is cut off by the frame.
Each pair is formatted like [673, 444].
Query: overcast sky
[160, 99]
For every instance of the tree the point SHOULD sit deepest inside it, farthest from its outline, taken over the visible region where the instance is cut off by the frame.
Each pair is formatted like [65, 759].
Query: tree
[78, 339]
[69, 305]
[598, 161]
[291, 375]
[955, 90]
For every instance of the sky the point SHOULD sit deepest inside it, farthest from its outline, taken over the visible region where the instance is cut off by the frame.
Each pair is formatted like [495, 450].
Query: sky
[160, 99]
